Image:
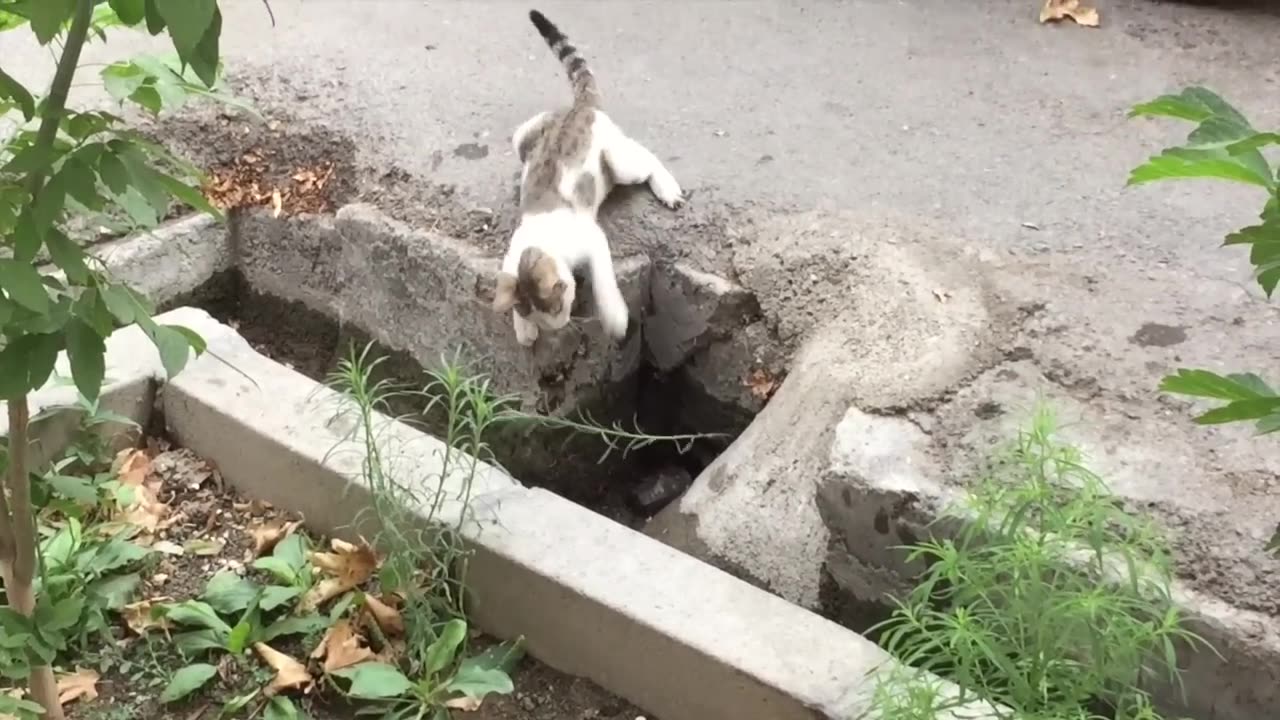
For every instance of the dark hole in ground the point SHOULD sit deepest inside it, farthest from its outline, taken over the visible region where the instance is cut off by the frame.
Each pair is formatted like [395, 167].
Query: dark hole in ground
[628, 488]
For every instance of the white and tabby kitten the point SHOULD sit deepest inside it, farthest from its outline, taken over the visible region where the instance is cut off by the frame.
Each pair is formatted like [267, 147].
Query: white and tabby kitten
[571, 159]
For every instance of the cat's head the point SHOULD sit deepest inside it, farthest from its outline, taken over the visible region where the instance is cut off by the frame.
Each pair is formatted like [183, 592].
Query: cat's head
[541, 291]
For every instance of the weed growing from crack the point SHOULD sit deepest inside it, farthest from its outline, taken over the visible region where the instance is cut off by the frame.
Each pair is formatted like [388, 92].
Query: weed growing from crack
[1050, 600]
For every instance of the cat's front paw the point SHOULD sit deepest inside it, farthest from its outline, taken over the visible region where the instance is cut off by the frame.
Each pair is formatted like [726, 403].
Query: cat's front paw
[526, 332]
[614, 320]
[668, 190]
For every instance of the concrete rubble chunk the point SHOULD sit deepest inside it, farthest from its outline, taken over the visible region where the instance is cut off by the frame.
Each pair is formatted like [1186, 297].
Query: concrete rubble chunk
[859, 300]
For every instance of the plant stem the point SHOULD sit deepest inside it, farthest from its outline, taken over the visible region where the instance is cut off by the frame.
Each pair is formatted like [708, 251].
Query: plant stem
[19, 571]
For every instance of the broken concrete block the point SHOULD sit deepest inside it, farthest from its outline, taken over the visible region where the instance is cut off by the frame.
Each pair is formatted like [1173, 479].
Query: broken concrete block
[690, 309]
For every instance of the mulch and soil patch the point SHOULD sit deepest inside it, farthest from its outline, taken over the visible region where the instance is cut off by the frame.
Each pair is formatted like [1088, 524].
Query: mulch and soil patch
[199, 529]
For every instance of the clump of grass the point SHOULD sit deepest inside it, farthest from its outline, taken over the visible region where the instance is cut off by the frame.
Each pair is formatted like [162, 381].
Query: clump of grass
[425, 555]
[1051, 600]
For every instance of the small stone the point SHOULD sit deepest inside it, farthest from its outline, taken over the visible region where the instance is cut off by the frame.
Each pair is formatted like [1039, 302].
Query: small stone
[660, 488]
[528, 704]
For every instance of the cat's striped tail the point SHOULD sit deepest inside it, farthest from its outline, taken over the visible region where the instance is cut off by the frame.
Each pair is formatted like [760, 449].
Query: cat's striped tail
[580, 77]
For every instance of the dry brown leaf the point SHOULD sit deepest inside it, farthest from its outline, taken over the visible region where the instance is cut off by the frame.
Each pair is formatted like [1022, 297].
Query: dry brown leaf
[201, 546]
[350, 566]
[464, 703]
[1081, 13]
[761, 384]
[290, 674]
[138, 616]
[277, 204]
[181, 466]
[342, 647]
[134, 470]
[77, 685]
[267, 535]
[387, 617]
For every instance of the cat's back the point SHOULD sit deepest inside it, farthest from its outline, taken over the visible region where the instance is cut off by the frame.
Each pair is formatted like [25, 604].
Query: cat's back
[561, 147]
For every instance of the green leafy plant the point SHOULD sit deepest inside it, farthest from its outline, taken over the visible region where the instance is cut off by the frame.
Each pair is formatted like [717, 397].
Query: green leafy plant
[59, 166]
[1224, 146]
[1051, 601]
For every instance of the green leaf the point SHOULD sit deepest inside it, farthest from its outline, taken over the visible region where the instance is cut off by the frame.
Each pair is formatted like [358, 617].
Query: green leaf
[173, 347]
[195, 642]
[130, 12]
[14, 90]
[49, 204]
[295, 625]
[118, 553]
[155, 23]
[116, 591]
[239, 637]
[192, 337]
[187, 21]
[62, 615]
[1203, 383]
[204, 59]
[475, 682]
[229, 593]
[189, 195]
[194, 612]
[1241, 410]
[280, 708]
[74, 488]
[503, 656]
[10, 705]
[1186, 163]
[375, 680]
[274, 596]
[186, 681]
[93, 311]
[86, 352]
[81, 183]
[122, 80]
[279, 569]
[119, 302]
[1194, 103]
[48, 16]
[1264, 251]
[113, 173]
[27, 238]
[22, 282]
[67, 255]
[440, 654]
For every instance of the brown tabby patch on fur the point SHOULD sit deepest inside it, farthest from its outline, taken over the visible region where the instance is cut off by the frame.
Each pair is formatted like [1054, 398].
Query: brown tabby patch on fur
[535, 286]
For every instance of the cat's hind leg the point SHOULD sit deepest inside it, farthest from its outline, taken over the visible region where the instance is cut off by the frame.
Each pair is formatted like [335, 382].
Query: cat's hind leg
[524, 137]
[526, 331]
[632, 163]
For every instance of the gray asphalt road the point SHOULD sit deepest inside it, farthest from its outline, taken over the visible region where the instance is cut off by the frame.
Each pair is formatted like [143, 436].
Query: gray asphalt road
[969, 113]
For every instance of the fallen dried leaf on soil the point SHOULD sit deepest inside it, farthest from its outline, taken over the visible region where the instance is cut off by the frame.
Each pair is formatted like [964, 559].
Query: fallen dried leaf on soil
[245, 182]
[341, 647]
[349, 565]
[464, 703]
[387, 617]
[201, 546]
[146, 511]
[761, 384]
[290, 674]
[1082, 14]
[77, 685]
[267, 535]
[138, 615]
[182, 466]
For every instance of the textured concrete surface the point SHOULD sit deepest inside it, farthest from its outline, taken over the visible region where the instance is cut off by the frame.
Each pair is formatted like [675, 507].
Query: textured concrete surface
[670, 633]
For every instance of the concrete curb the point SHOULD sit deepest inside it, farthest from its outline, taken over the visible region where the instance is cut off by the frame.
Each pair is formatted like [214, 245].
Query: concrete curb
[672, 634]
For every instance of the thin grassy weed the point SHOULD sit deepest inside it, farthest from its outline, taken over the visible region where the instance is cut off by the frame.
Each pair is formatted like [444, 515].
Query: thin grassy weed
[1052, 599]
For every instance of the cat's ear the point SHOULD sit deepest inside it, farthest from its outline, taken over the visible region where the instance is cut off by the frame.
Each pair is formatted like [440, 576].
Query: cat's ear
[504, 295]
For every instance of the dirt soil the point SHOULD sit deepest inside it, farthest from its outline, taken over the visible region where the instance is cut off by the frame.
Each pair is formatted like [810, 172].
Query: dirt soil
[212, 525]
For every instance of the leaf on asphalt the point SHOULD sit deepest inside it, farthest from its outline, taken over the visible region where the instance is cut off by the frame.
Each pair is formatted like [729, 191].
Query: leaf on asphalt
[268, 534]
[81, 684]
[140, 619]
[1080, 12]
[341, 647]
[349, 566]
[290, 674]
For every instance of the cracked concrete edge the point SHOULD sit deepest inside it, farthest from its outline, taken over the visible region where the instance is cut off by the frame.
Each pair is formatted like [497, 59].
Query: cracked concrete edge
[668, 632]
[881, 491]
[174, 259]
